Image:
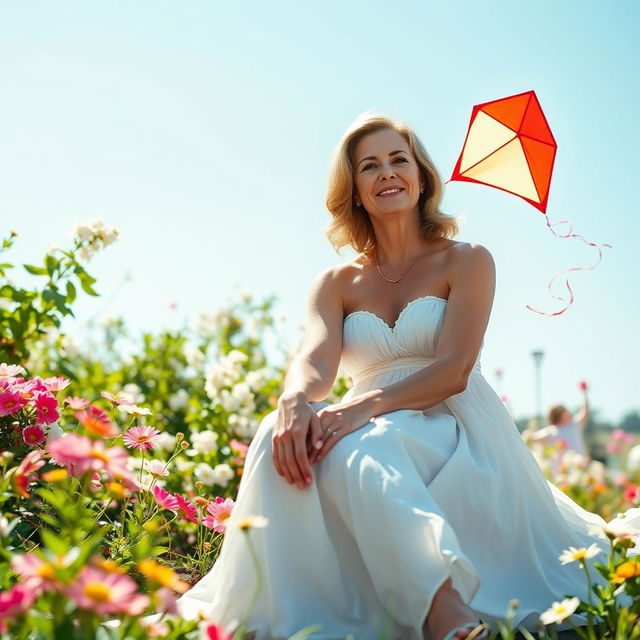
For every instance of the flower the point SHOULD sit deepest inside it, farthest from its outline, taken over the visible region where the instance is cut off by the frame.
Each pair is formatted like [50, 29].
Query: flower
[204, 441]
[80, 454]
[166, 441]
[624, 571]
[33, 435]
[247, 522]
[162, 575]
[624, 525]
[97, 421]
[18, 599]
[559, 611]
[56, 383]
[141, 437]
[134, 410]
[23, 475]
[204, 473]
[222, 473]
[186, 509]
[76, 403]
[573, 554]
[11, 370]
[165, 499]
[216, 632]
[114, 400]
[11, 402]
[157, 468]
[36, 572]
[107, 592]
[47, 407]
[220, 511]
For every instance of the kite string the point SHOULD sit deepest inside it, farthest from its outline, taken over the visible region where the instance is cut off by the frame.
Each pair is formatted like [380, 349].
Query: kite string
[568, 234]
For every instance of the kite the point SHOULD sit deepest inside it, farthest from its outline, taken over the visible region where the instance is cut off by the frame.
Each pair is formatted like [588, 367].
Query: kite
[509, 146]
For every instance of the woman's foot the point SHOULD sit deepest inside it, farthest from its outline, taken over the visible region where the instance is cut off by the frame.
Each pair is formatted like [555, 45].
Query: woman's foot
[447, 612]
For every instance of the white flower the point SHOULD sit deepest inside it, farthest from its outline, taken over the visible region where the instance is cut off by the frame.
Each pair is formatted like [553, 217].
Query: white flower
[633, 458]
[572, 554]
[256, 379]
[205, 474]
[11, 370]
[157, 468]
[229, 402]
[132, 393]
[85, 254]
[250, 521]
[166, 441]
[194, 357]
[222, 474]
[183, 465]
[204, 441]
[134, 410]
[624, 525]
[559, 611]
[179, 399]
[83, 232]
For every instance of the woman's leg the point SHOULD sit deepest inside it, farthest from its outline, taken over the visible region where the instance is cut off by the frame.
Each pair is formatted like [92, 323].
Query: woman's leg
[448, 611]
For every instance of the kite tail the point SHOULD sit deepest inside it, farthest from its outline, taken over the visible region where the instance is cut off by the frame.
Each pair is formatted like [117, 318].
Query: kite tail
[569, 234]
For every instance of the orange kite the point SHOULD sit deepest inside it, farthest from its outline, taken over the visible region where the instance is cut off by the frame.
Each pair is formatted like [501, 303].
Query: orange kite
[509, 146]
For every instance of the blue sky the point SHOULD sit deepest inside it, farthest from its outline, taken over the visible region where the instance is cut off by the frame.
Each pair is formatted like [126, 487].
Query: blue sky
[202, 131]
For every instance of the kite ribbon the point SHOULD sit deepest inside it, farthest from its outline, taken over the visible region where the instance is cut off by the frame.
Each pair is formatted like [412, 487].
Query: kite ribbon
[569, 234]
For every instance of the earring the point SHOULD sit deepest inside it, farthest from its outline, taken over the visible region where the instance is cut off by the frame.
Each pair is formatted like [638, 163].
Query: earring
[357, 204]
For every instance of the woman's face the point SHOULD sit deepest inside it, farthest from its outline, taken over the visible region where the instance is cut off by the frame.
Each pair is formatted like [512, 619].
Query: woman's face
[386, 176]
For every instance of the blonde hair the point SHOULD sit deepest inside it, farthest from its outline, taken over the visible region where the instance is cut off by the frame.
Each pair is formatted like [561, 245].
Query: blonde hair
[350, 225]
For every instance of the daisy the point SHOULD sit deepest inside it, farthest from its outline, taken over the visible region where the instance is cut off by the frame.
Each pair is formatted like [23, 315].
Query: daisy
[573, 554]
[141, 437]
[157, 468]
[559, 611]
[219, 511]
[247, 522]
[165, 499]
[36, 572]
[114, 399]
[107, 592]
[33, 435]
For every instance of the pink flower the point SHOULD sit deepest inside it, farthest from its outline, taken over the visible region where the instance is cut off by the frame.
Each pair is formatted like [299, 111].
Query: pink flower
[219, 511]
[107, 592]
[631, 494]
[35, 572]
[613, 447]
[165, 499]
[56, 383]
[11, 402]
[24, 474]
[157, 468]
[186, 509]
[217, 632]
[583, 385]
[17, 600]
[618, 434]
[141, 437]
[80, 454]
[97, 421]
[164, 600]
[33, 435]
[10, 370]
[241, 447]
[114, 400]
[76, 403]
[47, 407]
[629, 438]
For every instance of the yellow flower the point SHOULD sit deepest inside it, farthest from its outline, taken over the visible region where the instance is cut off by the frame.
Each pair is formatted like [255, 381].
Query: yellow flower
[162, 575]
[628, 569]
[55, 475]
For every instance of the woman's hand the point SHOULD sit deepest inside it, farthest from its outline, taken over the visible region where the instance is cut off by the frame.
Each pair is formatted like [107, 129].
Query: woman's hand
[337, 420]
[297, 419]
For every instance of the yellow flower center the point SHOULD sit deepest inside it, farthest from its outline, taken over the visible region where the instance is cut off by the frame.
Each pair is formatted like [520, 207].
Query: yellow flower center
[100, 456]
[46, 571]
[97, 592]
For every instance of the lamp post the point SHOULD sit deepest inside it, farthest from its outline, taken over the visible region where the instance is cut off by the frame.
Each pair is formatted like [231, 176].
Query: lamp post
[537, 361]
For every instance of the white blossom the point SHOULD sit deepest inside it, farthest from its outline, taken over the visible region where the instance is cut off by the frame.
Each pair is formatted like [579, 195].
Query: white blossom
[166, 441]
[222, 474]
[179, 399]
[204, 441]
[204, 473]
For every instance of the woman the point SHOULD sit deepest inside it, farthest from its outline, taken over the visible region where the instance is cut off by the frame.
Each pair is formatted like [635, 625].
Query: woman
[412, 506]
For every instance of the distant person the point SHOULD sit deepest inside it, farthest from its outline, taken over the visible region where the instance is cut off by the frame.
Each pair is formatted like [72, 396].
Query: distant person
[563, 426]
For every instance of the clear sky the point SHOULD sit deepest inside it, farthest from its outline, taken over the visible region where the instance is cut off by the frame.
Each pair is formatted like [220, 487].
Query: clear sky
[203, 130]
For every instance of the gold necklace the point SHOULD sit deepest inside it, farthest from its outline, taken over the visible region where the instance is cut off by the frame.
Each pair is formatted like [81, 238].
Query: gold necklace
[375, 255]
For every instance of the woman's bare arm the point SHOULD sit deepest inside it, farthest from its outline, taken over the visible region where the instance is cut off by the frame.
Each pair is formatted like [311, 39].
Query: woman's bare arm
[313, 371]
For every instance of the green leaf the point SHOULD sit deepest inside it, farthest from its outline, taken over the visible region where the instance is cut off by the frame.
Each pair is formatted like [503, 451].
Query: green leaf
[53, 542]
[36, 271]
[71, 292]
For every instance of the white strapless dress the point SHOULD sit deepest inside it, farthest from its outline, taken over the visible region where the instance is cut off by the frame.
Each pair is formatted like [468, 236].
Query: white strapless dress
[398, 506]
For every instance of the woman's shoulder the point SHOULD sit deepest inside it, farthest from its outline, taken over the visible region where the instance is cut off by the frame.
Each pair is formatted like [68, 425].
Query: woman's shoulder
[470, 255]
